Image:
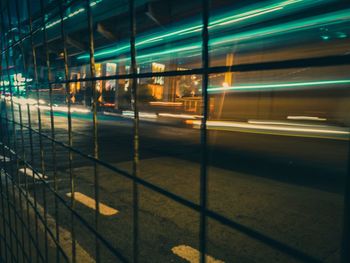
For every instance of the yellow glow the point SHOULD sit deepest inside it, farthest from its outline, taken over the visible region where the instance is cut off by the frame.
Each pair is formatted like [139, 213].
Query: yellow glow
[156, 90]
[225, 85]
[165, 103]
[180, 116]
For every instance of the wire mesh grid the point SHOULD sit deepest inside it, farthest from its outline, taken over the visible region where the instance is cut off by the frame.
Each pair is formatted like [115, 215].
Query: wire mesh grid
[27, 230]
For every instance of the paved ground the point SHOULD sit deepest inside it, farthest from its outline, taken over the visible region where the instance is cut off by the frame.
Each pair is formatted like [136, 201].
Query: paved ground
[301, 217]
[288, 188]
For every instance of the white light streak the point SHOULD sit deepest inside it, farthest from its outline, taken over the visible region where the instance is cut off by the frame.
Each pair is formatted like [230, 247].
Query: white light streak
[309, 118]
[180, 116]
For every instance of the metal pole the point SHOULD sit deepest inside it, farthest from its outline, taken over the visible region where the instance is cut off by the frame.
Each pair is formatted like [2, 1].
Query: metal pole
[95, 93]
[39, 121]
[204, 139]
[134, 104]
[345, 255]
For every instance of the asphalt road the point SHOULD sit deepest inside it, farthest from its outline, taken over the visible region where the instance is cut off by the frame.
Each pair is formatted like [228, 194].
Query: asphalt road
[289, 188]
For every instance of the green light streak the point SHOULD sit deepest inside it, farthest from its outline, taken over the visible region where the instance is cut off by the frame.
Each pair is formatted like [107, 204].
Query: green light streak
[72, 14]
[250, 16]
[259, 12]
[341, 35]
[102, 53]
[328, 19]
[215, 43]
[166, 52]
[279, 85]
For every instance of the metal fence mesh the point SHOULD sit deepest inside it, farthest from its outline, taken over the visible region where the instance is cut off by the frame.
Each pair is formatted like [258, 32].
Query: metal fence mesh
[34, 154]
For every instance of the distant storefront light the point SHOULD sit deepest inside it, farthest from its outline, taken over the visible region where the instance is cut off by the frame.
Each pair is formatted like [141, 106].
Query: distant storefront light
[157, 67]
[16, 80]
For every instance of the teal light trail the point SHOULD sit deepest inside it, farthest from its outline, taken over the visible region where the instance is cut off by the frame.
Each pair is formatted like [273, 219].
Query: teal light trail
[165, 52]
[72, 14]
[251, 14]
[189, 49]
[303, 24]
[279, 85]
